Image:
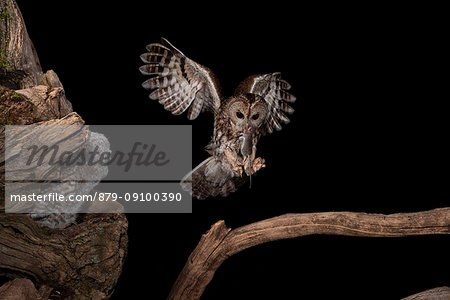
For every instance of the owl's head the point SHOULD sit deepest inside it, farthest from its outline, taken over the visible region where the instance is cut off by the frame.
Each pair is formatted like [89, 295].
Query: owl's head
[246, 113]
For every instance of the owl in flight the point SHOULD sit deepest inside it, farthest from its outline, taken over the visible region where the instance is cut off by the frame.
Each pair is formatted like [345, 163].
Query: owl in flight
[259, 106]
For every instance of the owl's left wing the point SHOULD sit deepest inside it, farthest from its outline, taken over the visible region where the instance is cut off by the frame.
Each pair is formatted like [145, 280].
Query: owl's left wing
[180, 83]
[274, 91]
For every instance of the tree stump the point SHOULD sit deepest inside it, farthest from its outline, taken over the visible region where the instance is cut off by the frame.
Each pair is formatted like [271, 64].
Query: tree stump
[83, 260]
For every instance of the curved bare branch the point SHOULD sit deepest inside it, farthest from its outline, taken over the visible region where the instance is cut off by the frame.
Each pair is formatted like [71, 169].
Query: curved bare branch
[220, 242]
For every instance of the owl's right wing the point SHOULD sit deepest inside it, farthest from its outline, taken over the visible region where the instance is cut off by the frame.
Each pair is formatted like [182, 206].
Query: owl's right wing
[180, 83]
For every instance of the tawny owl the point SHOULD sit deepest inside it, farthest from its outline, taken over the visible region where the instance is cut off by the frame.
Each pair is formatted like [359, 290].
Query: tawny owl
[258, 106]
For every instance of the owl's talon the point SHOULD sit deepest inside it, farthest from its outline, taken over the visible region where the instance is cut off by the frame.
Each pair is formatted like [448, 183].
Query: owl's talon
[238, 169]
[258, 164]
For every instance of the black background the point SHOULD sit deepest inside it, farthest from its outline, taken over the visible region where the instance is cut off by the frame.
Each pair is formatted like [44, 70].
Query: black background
[369, 134]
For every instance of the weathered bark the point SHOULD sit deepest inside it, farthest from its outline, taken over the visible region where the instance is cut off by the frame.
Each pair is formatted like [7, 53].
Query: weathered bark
[83, 260]
[19, 63]
[30, 106]
[220, 242]
[440, 293]
[48, 103]
[76, 141]
[36, 104]
[67, 132]
[21, 288]
[15, 109]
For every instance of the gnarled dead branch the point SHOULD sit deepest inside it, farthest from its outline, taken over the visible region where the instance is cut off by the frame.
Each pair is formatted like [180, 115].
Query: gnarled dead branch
[220, 242]
[440, 293]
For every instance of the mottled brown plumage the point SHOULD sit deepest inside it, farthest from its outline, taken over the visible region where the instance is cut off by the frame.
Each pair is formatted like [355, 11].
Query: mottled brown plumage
[258, 106]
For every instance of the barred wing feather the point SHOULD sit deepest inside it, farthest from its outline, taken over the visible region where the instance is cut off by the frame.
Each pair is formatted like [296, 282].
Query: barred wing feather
[274, 91]
[179, 83]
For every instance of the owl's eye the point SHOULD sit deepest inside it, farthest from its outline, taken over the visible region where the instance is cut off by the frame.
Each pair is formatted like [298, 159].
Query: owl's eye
[239, 115]
[255, 116]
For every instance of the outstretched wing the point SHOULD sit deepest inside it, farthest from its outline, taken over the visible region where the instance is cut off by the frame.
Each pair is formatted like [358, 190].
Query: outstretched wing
[179, 82]
[274, 91]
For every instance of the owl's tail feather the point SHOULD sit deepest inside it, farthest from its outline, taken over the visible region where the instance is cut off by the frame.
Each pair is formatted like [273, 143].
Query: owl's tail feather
[211, 178]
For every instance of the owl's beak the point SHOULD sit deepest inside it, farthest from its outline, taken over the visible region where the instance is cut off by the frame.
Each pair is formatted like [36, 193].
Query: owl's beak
[248, 128]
